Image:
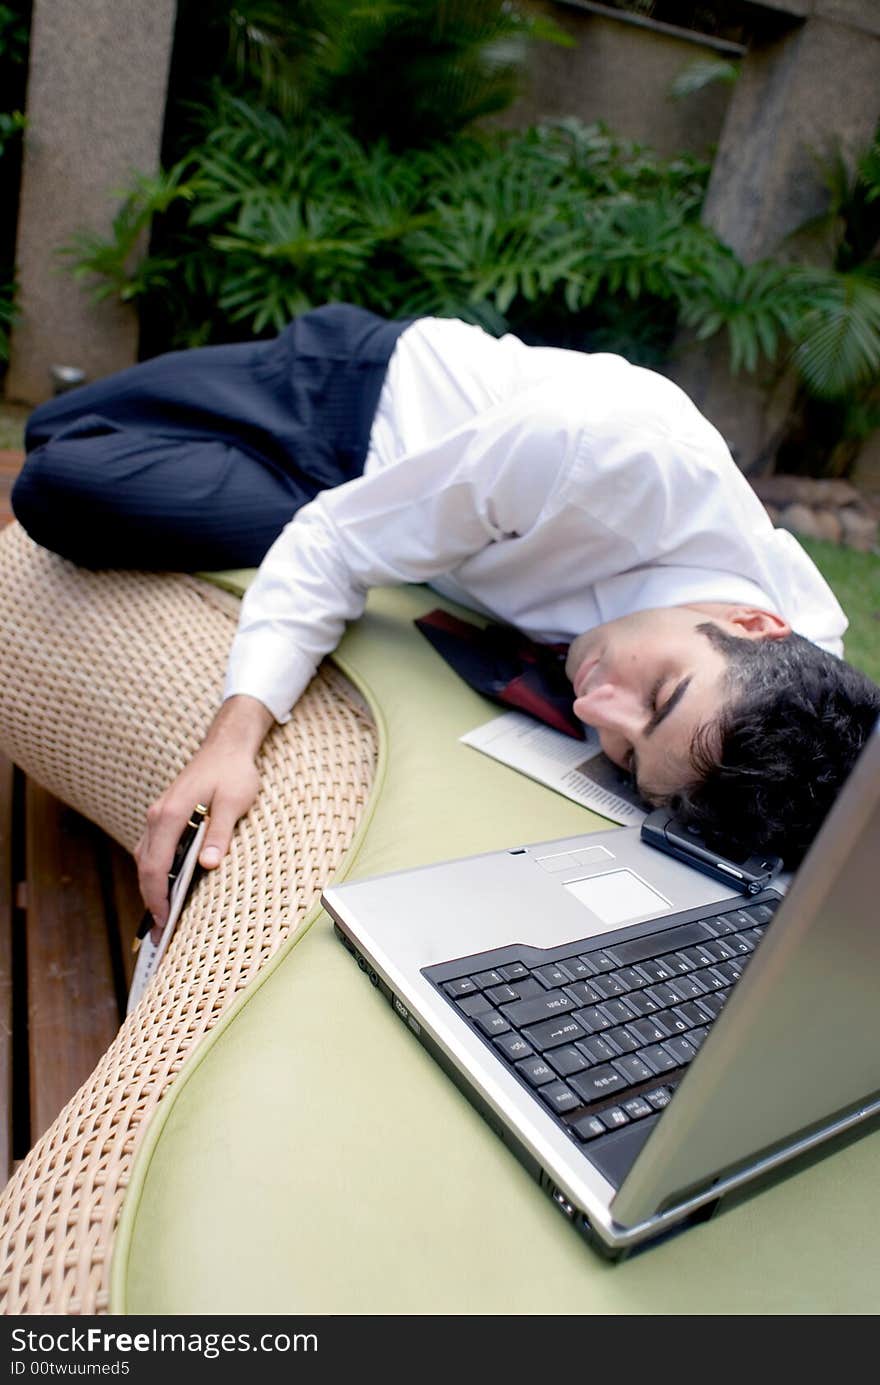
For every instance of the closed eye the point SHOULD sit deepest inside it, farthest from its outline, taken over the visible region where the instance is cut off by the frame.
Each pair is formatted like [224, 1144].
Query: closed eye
[659, 714]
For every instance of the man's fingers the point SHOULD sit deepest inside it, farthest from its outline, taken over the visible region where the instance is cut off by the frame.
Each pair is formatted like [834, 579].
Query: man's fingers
[228, 783]
[155, 854]
[224, 815]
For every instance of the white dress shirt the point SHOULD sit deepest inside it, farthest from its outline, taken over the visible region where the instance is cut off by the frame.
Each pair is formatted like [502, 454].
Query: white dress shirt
[550, 489]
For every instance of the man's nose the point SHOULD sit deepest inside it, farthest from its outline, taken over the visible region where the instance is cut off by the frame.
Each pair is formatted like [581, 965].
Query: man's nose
[613, 709]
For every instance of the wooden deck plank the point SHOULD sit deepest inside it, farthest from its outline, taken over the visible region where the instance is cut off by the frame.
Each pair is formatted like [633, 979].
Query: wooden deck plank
[73, 1012]
[6, 922]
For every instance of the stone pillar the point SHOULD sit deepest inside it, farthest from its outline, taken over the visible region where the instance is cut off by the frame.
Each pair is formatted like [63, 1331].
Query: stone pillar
[95, 108]
[806, 92]
[800, 98]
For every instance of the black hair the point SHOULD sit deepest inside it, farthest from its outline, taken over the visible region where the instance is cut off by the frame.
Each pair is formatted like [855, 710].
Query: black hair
[771, 766]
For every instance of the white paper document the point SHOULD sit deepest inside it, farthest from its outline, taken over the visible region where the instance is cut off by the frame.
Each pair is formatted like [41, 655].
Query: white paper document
[577, 769]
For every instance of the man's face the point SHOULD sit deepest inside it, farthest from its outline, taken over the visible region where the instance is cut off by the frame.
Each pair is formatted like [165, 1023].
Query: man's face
[647, 683]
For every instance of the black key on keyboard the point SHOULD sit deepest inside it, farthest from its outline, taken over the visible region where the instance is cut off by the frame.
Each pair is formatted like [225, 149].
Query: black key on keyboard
[763, 912]
[614, 1117]
[608, 986]
[582, 993]
[689, 1014]
[514, 1046]
[680, 962]
[540, 1007]
[711, 1005]
[599, 961]
[552, 976]
[654, 944]
[641, 1003]
[669, 1024]
[646, 1031]
[491, 1023]
[655, 970]
[624, 1042]
[567, 1060]
[514, 971]
[593, 1019]
[462, 986]
[741, 944]
[633, 1068]
[488, 978]
[664, 995]
[657, 1059]
[473, 1004]
[559, 1097]
[502, 995]
[597, 1083]
[636, 1107]
[588, 1127]
[597, 1049]
[630, 979]
[679, 1049]
[687, 987]
[720, 925]
[536, 1071]
[617, 1010]
[552, 1033]
[578, 968]
[714, 978]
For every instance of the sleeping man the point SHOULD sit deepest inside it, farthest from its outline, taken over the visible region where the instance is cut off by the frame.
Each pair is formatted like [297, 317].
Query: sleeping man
[576, 497]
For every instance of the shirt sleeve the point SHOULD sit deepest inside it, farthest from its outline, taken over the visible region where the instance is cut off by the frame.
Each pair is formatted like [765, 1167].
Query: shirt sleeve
[413, 520]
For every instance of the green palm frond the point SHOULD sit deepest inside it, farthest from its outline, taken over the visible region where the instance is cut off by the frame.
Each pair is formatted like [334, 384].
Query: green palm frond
[838, 338]
[757, 305]
[117, 262]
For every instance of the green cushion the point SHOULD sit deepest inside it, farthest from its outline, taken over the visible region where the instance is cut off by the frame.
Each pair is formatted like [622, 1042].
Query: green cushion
[313, 1158]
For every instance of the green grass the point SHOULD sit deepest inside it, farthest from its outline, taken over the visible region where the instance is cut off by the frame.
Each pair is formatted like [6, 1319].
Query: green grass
[855, 580]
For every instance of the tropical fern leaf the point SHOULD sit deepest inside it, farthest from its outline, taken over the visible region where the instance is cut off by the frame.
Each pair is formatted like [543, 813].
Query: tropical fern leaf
[838, 339]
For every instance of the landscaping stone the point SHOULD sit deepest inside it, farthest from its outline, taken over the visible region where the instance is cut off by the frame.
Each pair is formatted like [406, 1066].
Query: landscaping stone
[828, 526]
[834, 510]
[799, 518]
[859, 530]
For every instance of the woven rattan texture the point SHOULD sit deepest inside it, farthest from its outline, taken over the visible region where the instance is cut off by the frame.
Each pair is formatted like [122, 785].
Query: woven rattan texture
[107, 683]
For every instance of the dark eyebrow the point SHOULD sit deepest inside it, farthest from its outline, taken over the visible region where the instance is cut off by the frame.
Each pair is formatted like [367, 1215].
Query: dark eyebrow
[671, 702]
[652, 725]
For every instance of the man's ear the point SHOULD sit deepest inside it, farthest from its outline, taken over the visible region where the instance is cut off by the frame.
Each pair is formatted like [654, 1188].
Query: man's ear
[752, 623]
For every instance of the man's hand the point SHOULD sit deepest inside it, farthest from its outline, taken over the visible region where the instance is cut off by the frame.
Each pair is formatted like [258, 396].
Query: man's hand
[223, 776]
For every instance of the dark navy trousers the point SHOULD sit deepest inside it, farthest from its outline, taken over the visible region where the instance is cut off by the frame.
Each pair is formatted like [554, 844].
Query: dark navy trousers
[197, 459]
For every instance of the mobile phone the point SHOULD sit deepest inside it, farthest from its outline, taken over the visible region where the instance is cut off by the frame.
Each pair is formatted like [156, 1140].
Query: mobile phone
[749, 874]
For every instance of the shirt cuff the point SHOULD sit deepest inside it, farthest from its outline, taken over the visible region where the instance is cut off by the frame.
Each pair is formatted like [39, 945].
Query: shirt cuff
[262, 664]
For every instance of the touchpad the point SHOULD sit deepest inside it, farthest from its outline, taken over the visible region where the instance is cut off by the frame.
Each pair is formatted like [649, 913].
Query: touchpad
[618, 896]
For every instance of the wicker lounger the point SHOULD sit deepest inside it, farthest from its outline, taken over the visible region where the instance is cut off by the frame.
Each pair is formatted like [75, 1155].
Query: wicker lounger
[107, 683]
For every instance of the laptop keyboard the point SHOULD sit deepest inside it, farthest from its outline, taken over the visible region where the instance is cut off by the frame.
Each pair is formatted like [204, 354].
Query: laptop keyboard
[602, 1034]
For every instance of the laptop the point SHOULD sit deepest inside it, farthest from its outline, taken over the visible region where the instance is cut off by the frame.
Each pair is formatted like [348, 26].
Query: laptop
[646, 1041]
